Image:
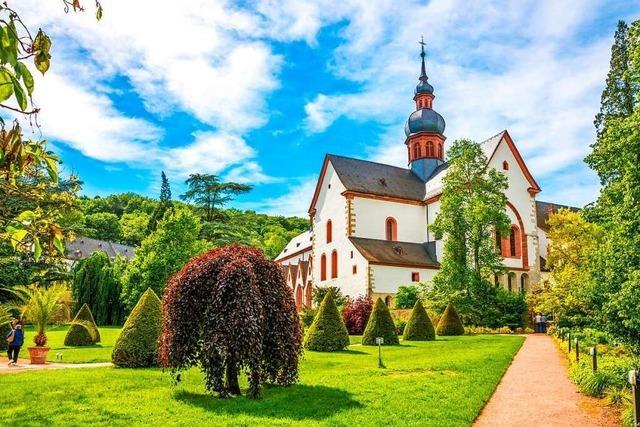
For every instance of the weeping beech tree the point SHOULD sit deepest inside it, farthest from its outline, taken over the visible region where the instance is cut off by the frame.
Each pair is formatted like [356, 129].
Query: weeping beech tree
[230, 311]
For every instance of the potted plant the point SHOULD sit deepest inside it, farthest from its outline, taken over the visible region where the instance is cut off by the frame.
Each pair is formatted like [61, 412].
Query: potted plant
[41, 306]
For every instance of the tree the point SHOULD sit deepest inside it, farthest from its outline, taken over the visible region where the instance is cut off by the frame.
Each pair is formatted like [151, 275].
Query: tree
[380, 325]
[319, 293]
[230, 310]
[450, 323]
[160, 255]
[328, 331]
[356, 314]
[406, 296]
[419, 326]
[83, 329]
[87, 277]
[569, 294]
[472, 208]
[164, 205]
[133, 227]
[615, 157]
[137, 344]
[209, 192]
[103, 226]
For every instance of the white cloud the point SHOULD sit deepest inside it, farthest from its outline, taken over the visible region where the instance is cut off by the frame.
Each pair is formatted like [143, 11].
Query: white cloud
[295, 202]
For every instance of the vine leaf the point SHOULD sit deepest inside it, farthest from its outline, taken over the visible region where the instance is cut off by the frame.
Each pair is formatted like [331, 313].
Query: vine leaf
[6, 84]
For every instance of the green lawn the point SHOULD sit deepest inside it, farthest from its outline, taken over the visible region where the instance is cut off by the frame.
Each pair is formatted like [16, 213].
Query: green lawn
[441, 383]
[96, 353]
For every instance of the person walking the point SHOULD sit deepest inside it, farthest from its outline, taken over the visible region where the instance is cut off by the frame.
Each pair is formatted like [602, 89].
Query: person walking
[15, 339]
[536, 322]
[543, 324]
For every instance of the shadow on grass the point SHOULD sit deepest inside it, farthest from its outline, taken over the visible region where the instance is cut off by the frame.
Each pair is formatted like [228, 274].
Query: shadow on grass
[297, 402]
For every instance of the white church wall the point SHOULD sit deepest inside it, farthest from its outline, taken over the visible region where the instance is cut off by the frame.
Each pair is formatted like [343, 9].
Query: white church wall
[387, 279]
[371, 216]
[432, 212]
[543, 242]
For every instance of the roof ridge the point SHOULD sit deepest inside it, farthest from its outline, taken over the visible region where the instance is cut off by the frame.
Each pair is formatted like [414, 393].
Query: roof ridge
[369, 161]
[491, 137]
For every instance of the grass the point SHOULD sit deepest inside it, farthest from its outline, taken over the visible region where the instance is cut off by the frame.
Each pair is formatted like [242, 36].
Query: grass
[443, 382]
[95, 353]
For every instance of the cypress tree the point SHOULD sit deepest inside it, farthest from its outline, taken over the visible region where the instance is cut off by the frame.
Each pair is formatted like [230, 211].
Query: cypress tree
[450, 323]
[165, 204]
[380, 325]
[328, 331]
[419, 326]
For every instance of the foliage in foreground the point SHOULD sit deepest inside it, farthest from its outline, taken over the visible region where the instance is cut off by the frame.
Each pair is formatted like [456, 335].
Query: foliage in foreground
[380, 325]
[136, 346]
[356, 314]
[419, 326]
[227, 311]
[327, 332]
[450, 323]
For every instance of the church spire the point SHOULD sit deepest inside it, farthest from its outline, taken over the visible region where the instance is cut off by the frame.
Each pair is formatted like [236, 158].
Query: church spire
[423, 74]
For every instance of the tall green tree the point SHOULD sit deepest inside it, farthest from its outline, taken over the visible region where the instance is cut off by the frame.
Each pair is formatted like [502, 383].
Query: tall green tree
[103, 226]
[209, 193]
[133, 227]
[164, 205]
[616, 159]
[161, 254]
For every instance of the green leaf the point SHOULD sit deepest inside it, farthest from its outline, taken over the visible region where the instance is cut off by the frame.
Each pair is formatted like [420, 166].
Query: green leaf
[52, 168]
[41, 46]
[26, 217]
[21, 96]
[99, 12]
[6, 84]
[57, 243]
[37, 249]
[16, 236]
[27, 78]
[42, 61]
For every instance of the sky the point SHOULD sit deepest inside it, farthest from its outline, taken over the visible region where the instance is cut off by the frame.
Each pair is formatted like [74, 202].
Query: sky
[259, 91]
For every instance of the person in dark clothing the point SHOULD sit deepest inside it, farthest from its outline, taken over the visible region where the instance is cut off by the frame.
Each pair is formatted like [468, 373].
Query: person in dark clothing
[16, 339]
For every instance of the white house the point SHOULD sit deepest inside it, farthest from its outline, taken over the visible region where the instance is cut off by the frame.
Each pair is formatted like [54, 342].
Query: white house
[370, 222]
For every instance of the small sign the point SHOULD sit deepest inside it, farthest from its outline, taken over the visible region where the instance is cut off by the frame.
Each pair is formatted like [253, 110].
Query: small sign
[632, 377]
[379, 340]
[592, 350]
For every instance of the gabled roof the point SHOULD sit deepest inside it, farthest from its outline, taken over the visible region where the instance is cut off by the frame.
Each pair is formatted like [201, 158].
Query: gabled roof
[303, 268]
[300, 243]
[396, 253]
[293, 272]
[491, 145]
[545, 209]
[83, 247]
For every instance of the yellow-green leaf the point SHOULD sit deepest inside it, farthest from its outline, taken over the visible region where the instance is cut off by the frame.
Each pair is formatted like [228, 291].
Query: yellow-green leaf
[27, 78]
[57, 243]
[42, 61]
[26, 217]
[21, 97]
[99, 12]
[42, 42]
[6, 84]
[16, 236]
[52, 168]
[37, 249]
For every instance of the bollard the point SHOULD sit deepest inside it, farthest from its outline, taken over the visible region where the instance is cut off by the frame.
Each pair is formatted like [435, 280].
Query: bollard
[577, 351]
[569, 342]
[380, 341]
[634, 380]
[593, 351]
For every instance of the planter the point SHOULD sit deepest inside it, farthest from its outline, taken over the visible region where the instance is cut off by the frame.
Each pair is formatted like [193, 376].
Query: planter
[38, 355]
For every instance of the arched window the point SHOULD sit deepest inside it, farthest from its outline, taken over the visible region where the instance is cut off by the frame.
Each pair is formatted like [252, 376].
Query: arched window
[514, 242]
[524, 283]
[391, 229]
[439, 150]
[334, 264]
[323, 267]
[299, 297]
[329, 231]
[307, 295]
[505, 165]
[416, 151]
[498, 242]
[429, 148]
[510, 282]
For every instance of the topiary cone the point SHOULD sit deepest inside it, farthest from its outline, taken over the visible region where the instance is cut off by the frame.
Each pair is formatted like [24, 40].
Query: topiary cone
[450, 323]
[85, 317]
[136, 346]
[328, 331]
[419, 326]
[380, 325]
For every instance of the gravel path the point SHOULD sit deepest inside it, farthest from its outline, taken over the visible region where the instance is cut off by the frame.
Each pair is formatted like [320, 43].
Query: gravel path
[535, 391]
[24, 365]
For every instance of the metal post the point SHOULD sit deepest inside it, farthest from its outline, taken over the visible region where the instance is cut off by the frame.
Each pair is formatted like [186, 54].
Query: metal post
[577, 351]
[380, 341]
[569, 341]
[594, 358]
[634, 380]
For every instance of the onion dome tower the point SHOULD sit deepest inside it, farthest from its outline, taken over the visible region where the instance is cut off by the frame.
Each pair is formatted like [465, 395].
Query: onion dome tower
[424, 129]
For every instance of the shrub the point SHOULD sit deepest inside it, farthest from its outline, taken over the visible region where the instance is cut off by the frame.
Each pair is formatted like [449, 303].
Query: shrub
[528, 330]
[83, 318]
[406, 296]
[327, 332]
[79, 335]
[419, 327]
[380, 325]
[136, 346]
[356, 314]
[307, 315]
[450, 323]
[401, 324]
[319, 292]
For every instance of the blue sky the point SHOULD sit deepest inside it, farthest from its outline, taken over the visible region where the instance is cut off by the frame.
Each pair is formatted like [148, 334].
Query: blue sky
[258, 92]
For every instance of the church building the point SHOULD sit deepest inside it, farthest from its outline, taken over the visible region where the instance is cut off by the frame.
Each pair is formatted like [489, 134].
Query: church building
[371, 222]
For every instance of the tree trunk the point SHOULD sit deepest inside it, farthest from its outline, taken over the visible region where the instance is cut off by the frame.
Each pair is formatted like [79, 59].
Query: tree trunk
[233, 386]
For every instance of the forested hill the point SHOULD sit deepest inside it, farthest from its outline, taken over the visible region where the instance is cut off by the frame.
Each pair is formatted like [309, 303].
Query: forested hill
[125, 218]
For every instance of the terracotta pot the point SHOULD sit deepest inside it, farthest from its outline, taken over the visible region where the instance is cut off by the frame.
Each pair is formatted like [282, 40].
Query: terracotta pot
[38, 355]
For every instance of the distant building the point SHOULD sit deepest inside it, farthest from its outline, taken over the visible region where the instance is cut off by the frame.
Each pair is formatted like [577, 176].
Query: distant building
[82, 247]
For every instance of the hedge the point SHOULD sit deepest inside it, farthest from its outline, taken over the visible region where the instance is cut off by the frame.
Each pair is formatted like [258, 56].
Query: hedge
[136, 346]
[328, 331]
[79, 335]
[380, 325]
[419, 326]
[450, 323]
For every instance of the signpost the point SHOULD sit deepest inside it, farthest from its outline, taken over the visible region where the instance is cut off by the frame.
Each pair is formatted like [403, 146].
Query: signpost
[380, 341]
[593, 351]
[634, 380]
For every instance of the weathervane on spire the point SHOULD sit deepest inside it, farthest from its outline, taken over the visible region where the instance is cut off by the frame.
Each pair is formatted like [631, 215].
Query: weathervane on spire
[423, 74]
